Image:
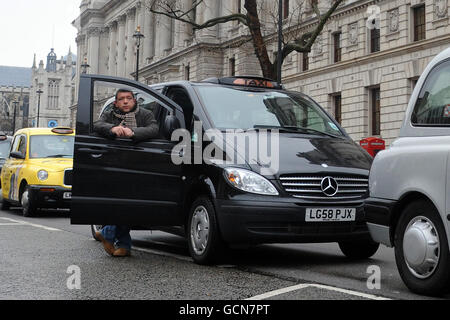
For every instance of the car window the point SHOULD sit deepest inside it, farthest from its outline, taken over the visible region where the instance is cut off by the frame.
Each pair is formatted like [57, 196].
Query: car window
[23, 145]
[104, 94]
[16, 142]
[4, 149]
[433, 104]
[231, 108]
[51, 146]
[181, 97]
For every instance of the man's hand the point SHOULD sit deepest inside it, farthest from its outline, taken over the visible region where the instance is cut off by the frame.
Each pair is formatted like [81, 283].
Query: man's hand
[122, 132]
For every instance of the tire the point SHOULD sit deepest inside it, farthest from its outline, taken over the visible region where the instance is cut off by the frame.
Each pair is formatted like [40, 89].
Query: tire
[359, 250]
[94, 229]
[29, 208]
[204, 240]
[422, 250]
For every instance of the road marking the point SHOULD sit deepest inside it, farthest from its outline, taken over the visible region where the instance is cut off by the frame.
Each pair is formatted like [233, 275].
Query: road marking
[163, 253]
[314, 285]
[24, 223]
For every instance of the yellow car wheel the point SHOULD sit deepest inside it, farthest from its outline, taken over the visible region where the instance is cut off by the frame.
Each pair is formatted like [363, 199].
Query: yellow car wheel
[29, 209]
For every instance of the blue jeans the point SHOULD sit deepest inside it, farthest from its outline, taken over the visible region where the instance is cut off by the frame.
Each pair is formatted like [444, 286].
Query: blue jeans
[118, 235]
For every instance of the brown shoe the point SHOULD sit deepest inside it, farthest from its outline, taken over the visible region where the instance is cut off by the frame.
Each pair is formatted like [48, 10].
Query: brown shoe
[108, 246]
[121, 252]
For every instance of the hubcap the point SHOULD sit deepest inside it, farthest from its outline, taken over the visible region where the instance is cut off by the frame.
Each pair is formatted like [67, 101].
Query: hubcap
[421, 247]
[24, 199]
[199, 230]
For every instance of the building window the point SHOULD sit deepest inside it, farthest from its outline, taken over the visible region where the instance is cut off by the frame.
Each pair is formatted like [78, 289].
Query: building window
[419, 23]
[285, 9]
[374, 40]
[338, 108]
[232, 67]
[53, 94]
[305, 62]
[375, 111]
[337, 47]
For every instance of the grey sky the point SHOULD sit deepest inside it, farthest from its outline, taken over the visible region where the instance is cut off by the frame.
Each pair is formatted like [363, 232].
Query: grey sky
[34, 26]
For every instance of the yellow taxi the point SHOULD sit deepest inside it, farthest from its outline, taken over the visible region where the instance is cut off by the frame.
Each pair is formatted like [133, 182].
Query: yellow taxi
[38, 171]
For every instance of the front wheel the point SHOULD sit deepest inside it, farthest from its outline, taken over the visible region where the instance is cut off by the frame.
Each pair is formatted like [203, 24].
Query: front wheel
[29, 208]
[359, 249]
[422, 250]
[204, 240]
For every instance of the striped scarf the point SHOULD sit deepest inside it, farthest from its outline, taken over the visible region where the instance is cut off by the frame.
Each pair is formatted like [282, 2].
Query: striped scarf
[128, 119]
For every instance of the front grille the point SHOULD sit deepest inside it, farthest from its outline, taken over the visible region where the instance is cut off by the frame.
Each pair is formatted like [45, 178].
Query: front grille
[350, 187]
[68, 176]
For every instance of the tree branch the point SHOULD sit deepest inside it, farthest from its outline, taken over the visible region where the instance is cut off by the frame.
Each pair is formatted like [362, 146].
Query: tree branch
[183, 16]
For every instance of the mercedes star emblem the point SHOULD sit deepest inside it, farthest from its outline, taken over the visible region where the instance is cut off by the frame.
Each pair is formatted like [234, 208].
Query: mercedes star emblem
[329, 186]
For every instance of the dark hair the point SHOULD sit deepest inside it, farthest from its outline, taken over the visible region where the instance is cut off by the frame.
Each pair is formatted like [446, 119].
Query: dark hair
[124, 90]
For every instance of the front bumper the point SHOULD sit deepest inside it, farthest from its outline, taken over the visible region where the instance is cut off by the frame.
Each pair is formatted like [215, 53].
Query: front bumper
[284, 222]
[44, 198]
[379, 213]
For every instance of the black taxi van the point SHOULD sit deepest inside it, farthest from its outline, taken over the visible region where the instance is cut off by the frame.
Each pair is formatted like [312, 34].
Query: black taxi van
[307, 184]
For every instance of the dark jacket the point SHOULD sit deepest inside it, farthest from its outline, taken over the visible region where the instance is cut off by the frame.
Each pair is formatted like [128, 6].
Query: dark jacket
[145, 120]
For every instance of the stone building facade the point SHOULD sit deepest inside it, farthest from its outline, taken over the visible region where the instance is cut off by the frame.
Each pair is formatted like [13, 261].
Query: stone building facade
[56, 80]
[362, 68]
[15, 83]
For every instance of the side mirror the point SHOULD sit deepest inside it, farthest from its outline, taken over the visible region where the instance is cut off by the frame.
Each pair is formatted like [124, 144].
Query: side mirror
[17, 155]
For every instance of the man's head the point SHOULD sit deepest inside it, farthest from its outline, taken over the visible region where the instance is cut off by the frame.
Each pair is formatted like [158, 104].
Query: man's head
[125, 100]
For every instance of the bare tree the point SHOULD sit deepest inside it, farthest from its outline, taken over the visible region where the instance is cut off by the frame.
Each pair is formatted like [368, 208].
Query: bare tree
[293, 39]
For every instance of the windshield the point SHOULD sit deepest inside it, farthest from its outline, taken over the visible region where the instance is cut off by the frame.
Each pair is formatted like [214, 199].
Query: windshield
[4, 149]
[51, 146]
[231, 108]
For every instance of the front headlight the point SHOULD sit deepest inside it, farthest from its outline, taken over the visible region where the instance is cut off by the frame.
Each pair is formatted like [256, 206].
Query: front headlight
[42, 175]
[249, 181]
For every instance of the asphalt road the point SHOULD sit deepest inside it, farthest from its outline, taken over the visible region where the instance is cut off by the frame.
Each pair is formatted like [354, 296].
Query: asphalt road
[42, 258]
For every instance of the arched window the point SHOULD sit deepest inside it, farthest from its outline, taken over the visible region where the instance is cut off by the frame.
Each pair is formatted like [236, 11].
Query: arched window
[53, 94]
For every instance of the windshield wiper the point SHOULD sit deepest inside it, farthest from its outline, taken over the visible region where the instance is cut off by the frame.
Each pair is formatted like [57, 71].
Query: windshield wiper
[313, 131]
[294, 129]
[58, 156]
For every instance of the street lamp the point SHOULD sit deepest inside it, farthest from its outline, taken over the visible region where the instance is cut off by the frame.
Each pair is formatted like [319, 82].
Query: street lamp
[39, 92]
[137, 36]
[14, 118]
[85, 66]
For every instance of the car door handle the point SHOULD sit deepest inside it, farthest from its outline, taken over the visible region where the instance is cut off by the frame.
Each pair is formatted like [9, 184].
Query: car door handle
[95, 153]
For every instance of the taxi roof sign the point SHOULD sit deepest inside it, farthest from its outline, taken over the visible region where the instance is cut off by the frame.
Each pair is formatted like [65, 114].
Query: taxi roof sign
[246, 81]
[62, 130]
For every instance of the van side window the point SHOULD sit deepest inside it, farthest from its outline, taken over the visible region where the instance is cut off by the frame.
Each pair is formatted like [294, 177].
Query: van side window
[181, 97]
[433, 104]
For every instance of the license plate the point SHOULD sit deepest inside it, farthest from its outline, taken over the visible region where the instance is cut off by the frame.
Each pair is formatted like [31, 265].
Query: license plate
[330, 214]
[67, 195]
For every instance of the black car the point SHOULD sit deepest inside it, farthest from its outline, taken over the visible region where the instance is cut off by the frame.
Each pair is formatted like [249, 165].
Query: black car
[207, 181]
[5, 147]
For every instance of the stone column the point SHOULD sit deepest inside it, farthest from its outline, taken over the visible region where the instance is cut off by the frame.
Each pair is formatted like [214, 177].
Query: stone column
[140, 22]
[163, 35]
[93, 49]
[210, 10]
[148, 45]
[121, 46]
[130, 54]
[112, 49]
